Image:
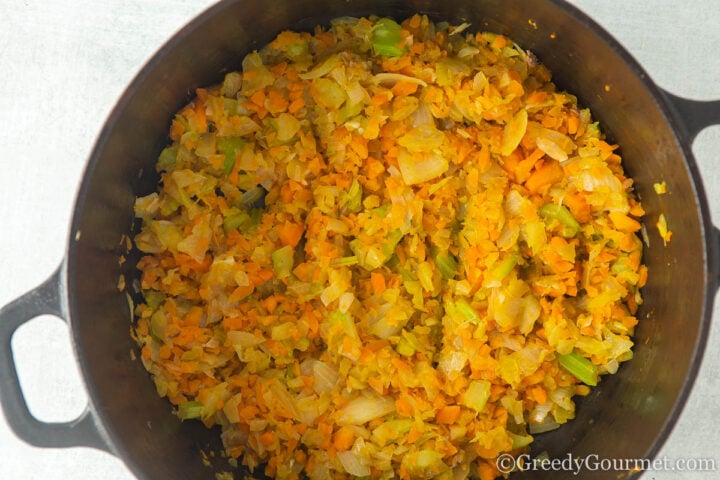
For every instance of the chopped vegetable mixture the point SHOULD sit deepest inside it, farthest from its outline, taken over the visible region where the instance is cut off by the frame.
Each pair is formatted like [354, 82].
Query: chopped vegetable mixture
[386, 250]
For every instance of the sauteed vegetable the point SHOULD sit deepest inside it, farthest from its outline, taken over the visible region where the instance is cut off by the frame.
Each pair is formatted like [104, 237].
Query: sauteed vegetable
[386, 250]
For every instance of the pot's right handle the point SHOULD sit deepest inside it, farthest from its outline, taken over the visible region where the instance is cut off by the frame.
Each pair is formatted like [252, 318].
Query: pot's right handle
[81, 432]
[694, 114]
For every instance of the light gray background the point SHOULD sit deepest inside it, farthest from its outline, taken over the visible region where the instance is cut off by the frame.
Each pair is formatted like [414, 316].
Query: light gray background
[64, 63]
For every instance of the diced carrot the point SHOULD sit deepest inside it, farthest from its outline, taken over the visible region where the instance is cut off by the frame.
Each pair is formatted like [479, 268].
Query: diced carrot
[403, 88]
[267, 438]
[448, 414]
[290, 233]
[343, 439]
[624, 223]
[404, 406]
[378, 283]
[549, 173]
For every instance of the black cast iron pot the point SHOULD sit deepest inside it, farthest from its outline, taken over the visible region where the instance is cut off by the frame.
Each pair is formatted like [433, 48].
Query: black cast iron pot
[628, 416]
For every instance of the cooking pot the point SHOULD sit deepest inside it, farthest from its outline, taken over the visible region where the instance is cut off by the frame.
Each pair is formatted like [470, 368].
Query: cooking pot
[628, 416]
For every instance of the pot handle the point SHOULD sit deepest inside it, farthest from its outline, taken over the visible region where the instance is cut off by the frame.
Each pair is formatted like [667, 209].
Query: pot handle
[47, 298]
[694, 115]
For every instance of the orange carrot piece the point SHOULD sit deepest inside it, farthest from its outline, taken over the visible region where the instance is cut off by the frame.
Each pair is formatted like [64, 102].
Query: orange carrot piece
[448, 414]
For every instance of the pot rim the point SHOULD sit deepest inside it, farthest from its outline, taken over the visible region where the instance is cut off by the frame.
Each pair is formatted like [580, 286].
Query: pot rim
[711, 236]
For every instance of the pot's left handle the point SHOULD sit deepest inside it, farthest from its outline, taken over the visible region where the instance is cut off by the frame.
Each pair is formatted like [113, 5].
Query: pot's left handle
[81, 432]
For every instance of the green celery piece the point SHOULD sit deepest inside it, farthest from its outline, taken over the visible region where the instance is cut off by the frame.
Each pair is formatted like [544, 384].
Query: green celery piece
[303, 344]
[344, 261]
[386, 37]
[505, 266]
[153, 299]
[233, 222]
[391, 430]
[158, 325]
[387, 250]
[393, 238]
[520, 441]
[189, 410]
[168, 206]
[256, 215]
[297, 49]
[283, 260]
[352, 199]
[553, 211]
[166, 160]
[582, 368]
[388, 50]
[477, 395]
[230, 105]
[380, 211]
[447, 264]
[230, 146]
[466, 310]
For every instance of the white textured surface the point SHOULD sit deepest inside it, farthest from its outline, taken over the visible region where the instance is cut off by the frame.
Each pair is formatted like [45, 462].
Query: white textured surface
[63, 64]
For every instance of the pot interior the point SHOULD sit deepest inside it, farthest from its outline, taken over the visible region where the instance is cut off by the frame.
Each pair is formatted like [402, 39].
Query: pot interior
[627, 416]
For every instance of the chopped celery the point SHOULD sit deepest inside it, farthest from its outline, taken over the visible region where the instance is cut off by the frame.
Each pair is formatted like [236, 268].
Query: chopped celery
[520, 441]
[351, 200]
[235, 221]
[553, 211]
[230, 105]
[284, 331]
[425, 275]
[153, 299]
[230, 146]
[169, 206]
[388, 50]
[393, 238]
[386, 38]
[297, 49]
[380, 211]
[341, 335]
[582, 368]
[447, 264]
[283, 259]
[391, 430]
[166, 160]
[505, 266]
[467, 312]
[371, 257]
[158, 325]
[408, 344]
[344, 261]
[303, 344]
[477, 394]
[189, 410]
[256, 215]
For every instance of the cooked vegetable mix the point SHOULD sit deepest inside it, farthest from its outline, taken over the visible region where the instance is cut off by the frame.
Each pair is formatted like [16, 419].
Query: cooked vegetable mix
[386, 250]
